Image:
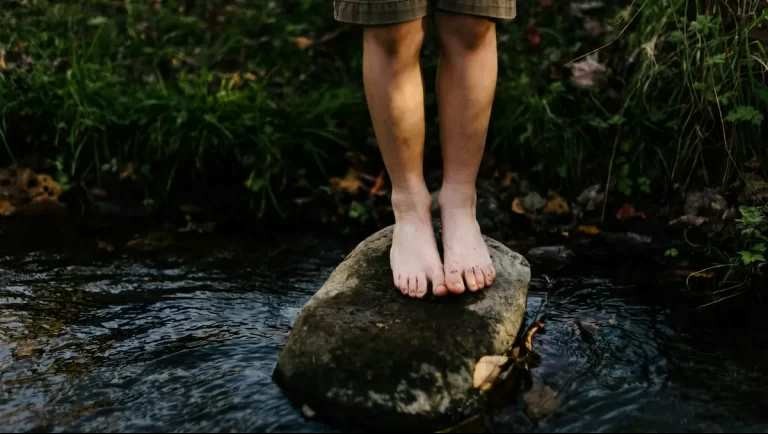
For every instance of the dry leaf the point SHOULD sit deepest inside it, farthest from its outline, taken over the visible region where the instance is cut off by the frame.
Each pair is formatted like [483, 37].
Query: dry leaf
[586, 73]
[351, 183]
[44, 188]
[303, 42]
[590, 230]
[3, 65]
[650, 48]
[556, 205]
[517, 206]
[531, 333]
[25, 179]
[509, 178]
[6, 208]
[487, 370]
[378, 186]
[628, 211]
[128, 172]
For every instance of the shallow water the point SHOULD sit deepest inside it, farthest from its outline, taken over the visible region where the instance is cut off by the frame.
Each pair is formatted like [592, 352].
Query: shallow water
[186, 340]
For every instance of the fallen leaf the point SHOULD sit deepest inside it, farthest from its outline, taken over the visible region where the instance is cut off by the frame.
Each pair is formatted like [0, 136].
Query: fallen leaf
[628, 212]
[517, 206]
[44, 188]
[378, 186]
[6, 208]
[509, 178]
[556, 205]
[128, 172]
[590, 230]
[3, 65]
[586, 73]
[531, 333]
[303, 42]
[650, 48]
[351, 183]
[487, 371]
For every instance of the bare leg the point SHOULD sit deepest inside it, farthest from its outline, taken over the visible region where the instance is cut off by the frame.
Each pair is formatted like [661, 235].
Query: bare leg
[466, 85]
[395, 94]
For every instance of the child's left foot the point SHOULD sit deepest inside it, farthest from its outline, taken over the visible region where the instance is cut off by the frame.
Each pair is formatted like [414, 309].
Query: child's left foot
[467, 262]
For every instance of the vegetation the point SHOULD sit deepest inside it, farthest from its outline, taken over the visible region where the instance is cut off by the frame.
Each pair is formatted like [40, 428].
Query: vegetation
[649, 98]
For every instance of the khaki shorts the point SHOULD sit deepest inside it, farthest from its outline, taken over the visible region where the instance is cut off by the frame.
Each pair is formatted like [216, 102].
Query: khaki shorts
[374, 12]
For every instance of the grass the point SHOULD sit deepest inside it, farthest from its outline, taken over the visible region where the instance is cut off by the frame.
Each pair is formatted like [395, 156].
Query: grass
[268, 97]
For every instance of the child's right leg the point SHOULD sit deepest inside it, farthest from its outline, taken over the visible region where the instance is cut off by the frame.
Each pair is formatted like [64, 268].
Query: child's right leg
[395, 94]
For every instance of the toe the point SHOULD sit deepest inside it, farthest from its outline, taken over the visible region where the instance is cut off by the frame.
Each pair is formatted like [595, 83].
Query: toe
[421, 285]
[490, 275]
[469, 277]
[411, 288]
[479, 277]
[438, 283]
[400, 284]
[454, 281]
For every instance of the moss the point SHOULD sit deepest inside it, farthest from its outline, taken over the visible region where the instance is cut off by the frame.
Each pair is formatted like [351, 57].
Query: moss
[369, 356]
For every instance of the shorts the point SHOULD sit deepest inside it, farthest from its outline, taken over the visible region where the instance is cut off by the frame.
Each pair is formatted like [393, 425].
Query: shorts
[375, 12]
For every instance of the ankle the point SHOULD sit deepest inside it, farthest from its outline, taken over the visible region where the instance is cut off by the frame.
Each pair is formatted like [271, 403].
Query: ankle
[458, 197]
[410, 203]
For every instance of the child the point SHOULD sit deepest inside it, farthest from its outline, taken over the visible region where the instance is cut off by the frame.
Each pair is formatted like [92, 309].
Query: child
[392, 39]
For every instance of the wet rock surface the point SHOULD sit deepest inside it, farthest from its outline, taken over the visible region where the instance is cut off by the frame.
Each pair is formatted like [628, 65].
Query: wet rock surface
[363, 354]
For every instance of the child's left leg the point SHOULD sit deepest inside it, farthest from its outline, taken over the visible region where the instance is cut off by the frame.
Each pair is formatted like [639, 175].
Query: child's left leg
[466, 86]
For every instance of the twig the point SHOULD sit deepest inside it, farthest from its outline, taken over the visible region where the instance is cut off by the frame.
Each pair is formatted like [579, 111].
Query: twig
[610, 173]
[616, 39]
[715, 267]
[725, 140]
[720, 300]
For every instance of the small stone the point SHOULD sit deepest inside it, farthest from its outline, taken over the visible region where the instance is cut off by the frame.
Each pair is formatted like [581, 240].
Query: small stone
[308, 412]
[533, 202]
[550, 258]
[541, 401]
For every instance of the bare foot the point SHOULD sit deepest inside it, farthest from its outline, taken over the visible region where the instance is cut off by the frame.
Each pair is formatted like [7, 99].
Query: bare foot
[414, 257]
[467, 261]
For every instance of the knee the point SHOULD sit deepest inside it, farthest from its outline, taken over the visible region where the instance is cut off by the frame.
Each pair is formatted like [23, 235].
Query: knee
[466, 33]
[395, 41]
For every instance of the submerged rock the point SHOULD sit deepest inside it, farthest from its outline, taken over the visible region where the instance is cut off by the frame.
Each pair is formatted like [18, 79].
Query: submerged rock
[363, 354]
[550, 258]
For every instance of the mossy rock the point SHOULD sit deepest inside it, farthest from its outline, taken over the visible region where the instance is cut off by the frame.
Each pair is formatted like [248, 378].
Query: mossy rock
[363, 354]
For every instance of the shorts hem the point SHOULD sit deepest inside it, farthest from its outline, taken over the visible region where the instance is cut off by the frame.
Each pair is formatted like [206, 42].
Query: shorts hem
[499, 12]
[379, 13]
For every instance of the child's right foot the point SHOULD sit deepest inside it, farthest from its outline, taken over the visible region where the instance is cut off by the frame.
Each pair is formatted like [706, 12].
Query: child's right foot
[414, 257]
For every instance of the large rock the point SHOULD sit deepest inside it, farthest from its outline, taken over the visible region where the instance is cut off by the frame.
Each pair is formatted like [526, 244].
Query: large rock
[362, 353]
